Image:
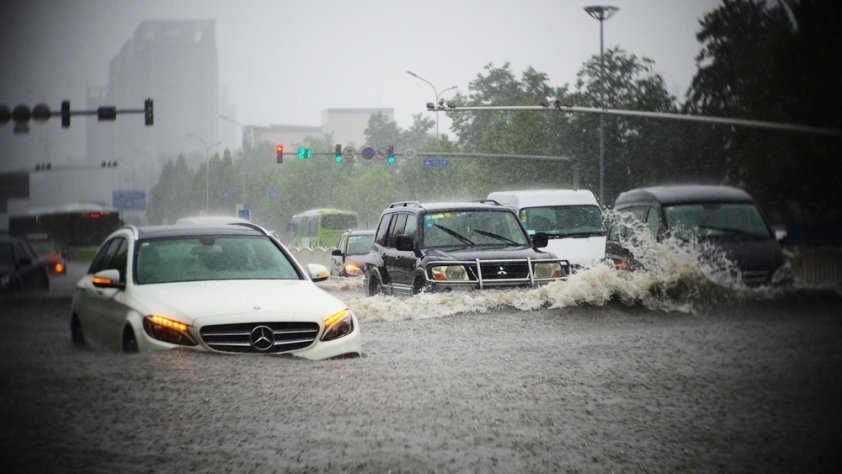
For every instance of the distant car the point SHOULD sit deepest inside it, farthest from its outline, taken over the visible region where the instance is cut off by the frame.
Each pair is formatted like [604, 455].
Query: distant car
[50, 253]
[21, 269]
[456, 246]
[348, 259]
[226, 288]
[723, 216]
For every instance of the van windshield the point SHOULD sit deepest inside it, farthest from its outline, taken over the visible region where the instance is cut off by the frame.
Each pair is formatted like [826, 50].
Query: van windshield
[563, 221]
[716, 220]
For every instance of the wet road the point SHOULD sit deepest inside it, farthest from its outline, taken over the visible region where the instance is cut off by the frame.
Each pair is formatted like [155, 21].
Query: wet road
[748, 386]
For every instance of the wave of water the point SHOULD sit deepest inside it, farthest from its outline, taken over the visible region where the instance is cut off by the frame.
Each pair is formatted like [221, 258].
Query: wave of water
[675, 278]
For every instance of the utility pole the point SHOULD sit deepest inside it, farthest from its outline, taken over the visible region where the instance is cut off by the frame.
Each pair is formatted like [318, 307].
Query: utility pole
[601, 13]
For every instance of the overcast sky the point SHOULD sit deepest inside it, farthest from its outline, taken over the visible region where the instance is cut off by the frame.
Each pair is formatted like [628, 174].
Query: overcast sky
[283, 62]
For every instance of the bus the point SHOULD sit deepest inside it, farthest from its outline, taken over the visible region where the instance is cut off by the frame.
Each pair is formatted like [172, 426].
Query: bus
[321, 227]
[69, 226]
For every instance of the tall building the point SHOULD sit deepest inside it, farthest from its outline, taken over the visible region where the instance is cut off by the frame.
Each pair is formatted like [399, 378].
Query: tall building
[173, 62]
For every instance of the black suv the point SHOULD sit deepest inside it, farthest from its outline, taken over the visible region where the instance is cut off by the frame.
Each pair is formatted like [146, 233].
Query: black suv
[465, 245]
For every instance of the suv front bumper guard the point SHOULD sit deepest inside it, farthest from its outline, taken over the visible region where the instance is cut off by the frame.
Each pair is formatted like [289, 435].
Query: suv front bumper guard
[481, 280]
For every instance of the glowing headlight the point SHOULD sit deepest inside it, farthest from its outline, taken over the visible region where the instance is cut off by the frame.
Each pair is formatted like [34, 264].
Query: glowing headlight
[168, 330]
[547, 270]
[351, 269]
[449, 273]
[338, 324]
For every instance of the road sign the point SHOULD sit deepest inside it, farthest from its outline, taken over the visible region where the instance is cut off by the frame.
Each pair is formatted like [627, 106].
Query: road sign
[129, 200]
[436, 163]
[382, 153]
[368, 153]
[348, 153]
[410, 154]
[244, 214]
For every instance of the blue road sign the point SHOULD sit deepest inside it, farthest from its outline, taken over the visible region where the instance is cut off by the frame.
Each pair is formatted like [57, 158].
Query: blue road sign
[436, 163]
[129, 200]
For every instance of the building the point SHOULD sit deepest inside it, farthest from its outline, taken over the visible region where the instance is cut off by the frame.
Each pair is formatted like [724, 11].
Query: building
[346, 126]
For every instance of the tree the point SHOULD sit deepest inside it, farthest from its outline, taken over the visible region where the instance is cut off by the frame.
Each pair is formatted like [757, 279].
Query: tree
[776, 62]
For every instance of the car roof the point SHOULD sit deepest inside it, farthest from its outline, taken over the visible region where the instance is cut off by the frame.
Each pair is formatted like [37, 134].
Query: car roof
[544, 197]
[448, 206]
[185, 230]
[683, 194]
[359, 232]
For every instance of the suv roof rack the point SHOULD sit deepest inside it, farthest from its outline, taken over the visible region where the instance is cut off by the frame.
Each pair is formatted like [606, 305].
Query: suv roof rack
[488, 201]
[405, 204]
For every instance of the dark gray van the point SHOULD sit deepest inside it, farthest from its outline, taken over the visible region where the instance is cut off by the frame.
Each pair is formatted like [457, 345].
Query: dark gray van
[725, 216]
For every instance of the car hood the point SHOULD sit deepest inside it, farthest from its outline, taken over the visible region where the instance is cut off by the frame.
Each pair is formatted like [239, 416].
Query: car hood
[753, 254]
[582, 251]
[486, 254]
[234, 301]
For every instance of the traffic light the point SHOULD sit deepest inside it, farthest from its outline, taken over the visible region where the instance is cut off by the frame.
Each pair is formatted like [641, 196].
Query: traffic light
[305, 153]
[279, 152]
[65, 114]
[44, 166]
[108, 164]
[148, 112]
[390, 158]
[338, 152]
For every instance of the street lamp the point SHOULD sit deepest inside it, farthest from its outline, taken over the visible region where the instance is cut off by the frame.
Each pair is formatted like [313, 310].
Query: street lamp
[601, 13]
[436, 92]
[207, 166]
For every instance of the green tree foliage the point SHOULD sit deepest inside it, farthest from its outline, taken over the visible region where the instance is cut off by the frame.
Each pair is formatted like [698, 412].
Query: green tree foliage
[775, 61]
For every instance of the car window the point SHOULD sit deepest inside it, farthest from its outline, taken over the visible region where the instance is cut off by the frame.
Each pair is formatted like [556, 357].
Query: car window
[383, 229]
[563, 220]
[120, 258]
[202, 258]
[102, 259]
[359, 244]
[472, 228]
[716, 220]
[411, 227]
[397, 228]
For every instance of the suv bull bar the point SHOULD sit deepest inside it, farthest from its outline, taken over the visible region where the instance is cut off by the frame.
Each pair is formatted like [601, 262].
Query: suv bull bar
[474, 268]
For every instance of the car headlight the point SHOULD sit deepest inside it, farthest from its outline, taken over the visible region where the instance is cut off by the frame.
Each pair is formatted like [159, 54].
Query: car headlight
[449, 273]
[352, 269]
[168, 330]
[543, 270]
[783, 275]
[338, 325]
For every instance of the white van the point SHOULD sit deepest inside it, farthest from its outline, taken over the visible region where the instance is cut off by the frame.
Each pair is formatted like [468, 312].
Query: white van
[571, 217]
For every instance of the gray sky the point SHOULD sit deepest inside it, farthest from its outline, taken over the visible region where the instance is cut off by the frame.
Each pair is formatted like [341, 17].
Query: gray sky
[283, 62]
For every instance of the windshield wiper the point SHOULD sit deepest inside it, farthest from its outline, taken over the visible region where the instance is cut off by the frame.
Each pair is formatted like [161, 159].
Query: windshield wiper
[456, 234]
[497, 236]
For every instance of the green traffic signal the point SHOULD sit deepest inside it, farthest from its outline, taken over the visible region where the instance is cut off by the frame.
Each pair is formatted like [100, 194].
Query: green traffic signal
[390, 158]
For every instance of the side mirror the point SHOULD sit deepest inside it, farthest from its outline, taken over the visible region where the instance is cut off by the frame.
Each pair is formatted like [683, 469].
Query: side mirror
[404, 243]
[318, 272]
[336, 252]
[540, 240]
[108, 279]
[780, 233]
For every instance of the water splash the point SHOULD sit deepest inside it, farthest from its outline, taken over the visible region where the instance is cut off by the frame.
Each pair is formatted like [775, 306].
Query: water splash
[676, 275]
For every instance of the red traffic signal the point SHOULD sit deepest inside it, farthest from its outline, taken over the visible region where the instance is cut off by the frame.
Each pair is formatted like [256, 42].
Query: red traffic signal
[279, 151]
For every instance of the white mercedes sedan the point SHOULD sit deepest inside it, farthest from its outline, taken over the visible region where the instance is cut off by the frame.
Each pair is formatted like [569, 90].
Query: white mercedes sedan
[225, 288]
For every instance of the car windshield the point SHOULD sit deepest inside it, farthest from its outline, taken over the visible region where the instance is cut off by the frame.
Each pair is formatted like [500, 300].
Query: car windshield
[202, 258]
[360, 244]
[563, 221]
[716, 220]
[473, 228]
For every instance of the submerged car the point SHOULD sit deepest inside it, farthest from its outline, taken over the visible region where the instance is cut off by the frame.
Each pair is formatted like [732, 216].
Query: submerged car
[348, 258]
[227, 288]
[21, 269]
[50, 253]
[456, 246]
[725, 217]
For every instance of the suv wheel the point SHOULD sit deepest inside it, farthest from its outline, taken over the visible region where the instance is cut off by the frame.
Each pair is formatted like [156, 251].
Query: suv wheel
[374, 287]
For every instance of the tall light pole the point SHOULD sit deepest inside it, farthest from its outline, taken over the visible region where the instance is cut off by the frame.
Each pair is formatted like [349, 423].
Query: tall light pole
[207, 166]
[436, 92]
[601, 13]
